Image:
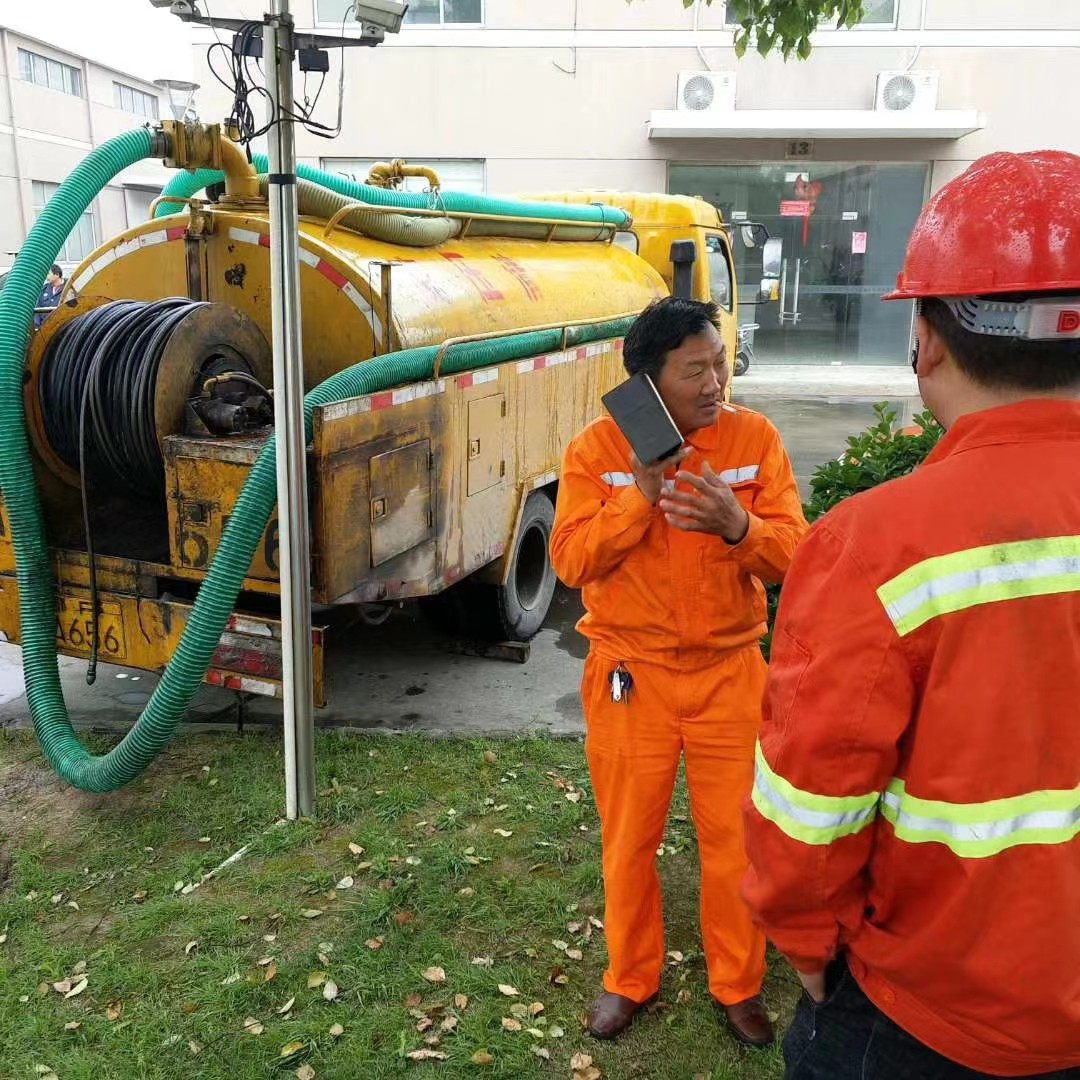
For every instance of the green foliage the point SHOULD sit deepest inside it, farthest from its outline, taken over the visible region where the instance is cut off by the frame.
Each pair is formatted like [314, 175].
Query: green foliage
[785, 26]
[880, 453]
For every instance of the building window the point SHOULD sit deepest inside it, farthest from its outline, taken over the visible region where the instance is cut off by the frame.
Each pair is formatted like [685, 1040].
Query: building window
[455, 174]
[50, 73]
[420, 13]
[135, 101]
[82, 239]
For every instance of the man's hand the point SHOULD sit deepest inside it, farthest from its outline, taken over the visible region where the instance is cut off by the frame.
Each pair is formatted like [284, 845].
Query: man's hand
[711, 507]
[650, 478]
[814, 985]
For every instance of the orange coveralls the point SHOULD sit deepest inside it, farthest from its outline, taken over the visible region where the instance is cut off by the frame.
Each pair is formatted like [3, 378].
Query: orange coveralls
[684, 612]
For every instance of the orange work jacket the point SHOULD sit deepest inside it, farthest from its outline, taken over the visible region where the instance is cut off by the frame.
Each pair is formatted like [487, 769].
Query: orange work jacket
[653, 593]
[917, 793]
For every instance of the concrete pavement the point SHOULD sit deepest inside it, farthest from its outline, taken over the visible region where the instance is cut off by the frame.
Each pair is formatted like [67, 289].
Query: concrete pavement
[403, 677]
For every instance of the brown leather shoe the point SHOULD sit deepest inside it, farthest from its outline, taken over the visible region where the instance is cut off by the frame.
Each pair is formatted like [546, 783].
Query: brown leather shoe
[749, 1022]
[611, 1014]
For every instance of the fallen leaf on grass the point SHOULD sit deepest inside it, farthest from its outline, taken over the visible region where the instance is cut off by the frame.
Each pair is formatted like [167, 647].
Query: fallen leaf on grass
[403, 918]
[507, 991]
[426, 1055]
[436, 975]
[252, 1026]
[72, 1025]
[536, 1033]
[194, 1047]
[190, 947]
[269, 938]
[449, 1024]
[113, 1011]
[204, 839]
[374, 943]
[461, 1002]
[311, 913]
[490, 757]
[594, 921]
[264, 961]
[345, 883]
[580, 1060]
[556, 1032]
[336, 1031]
[363, 866]
[45, 1072]
[355, 849]
[483, 961]
[287, 1054]
[541, 1052]
[230, 979]
[574, 954]
[61, 987]
[467, 891]
[558, 976]
[305, 1072]
[519, 1009]
[562, 946]
[675, 956]
[270, 972]
[189, 1007]
[76, 990]
[536, 1008]
[503, 832]
[287, 1007]
[172, 1040]
[574, 927]
[510, 1024]
[573, 796]
[330, 990]
[682, 997]
[481, 1057]
[425, 1023]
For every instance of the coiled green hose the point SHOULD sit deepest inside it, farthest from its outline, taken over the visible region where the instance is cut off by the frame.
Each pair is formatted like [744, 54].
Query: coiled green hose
[217, 595]
[186, 184]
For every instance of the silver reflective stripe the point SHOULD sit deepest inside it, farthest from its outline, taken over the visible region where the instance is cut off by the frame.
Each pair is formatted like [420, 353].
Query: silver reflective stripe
[982, 578]
[978, 830]
[741, 475]
[803, 815]
[983, 575]
[618, 479]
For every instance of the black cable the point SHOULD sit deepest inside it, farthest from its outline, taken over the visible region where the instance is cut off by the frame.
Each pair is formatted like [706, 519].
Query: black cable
[97, 386]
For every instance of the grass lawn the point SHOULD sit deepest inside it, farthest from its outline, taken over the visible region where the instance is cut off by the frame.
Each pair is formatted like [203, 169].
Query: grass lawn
[447, 900]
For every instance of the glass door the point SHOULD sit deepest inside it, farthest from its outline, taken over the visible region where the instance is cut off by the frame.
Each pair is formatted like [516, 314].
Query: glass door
[843, 229]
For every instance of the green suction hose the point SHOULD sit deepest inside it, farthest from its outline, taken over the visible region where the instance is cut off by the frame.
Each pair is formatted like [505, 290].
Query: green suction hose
[214, 604]
[186, 184]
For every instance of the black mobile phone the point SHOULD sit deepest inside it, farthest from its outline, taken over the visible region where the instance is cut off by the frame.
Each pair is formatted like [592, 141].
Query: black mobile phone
[642, 416]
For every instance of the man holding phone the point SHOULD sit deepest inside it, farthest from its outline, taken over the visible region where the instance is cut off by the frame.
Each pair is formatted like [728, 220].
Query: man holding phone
[670, 557]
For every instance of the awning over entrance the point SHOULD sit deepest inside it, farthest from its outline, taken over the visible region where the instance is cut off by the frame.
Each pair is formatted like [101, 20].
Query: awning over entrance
[814, 124]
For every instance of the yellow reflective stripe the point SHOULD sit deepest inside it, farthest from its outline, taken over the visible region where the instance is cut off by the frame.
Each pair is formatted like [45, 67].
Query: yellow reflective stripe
[978, 830]
[804, 816]
[983, 575]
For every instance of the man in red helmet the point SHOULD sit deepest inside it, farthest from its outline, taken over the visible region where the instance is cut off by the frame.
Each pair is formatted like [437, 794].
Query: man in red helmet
[914, 828]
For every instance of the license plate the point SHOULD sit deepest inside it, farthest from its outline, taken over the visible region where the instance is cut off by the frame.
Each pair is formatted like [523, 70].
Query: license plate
[75, 628]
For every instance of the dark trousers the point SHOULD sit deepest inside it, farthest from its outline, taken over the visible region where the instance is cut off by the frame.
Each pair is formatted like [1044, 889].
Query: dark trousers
[847, 1037]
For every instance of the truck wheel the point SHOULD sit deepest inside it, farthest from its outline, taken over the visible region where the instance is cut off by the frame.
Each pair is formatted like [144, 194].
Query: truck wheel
[742, 362]
[521, 605]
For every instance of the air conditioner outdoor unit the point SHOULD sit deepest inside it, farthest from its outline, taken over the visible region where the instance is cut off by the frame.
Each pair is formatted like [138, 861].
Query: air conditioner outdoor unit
[706, 91]
[906, 91]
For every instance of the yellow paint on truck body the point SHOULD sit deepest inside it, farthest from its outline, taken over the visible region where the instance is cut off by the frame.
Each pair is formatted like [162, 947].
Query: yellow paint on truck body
[411, 490]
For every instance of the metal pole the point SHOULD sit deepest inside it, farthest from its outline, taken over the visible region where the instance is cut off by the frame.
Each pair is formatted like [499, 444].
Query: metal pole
[294, 546]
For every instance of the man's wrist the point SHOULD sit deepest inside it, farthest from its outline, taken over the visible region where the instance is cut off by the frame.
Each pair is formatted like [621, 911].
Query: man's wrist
[740, 536]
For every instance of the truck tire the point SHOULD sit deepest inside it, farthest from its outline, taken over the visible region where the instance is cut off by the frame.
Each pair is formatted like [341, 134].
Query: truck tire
[511, 612]
[521, 605]
[742, 362]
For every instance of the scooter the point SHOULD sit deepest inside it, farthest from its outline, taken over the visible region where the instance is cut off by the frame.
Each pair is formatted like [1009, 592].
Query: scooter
[744, 355]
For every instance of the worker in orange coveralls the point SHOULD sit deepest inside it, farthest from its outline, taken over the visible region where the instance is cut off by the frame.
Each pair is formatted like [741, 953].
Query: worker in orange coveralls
[671, 576]
[914, 829]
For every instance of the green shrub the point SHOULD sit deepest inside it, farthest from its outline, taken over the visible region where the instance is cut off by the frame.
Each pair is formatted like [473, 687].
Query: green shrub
[882, 452]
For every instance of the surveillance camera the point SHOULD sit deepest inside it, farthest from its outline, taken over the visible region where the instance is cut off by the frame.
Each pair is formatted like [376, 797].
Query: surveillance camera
[385, 14]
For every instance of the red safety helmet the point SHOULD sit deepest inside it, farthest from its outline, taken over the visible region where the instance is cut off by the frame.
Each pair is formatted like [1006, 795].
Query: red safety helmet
[1009, 224]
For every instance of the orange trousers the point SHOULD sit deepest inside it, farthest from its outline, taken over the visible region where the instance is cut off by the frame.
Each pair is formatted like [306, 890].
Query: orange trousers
[711, 715]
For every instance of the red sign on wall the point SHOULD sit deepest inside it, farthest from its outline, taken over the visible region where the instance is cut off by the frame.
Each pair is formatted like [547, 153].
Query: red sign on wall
[796, 208]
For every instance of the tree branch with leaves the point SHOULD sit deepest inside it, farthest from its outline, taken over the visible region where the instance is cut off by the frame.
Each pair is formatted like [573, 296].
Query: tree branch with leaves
[785, 25]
